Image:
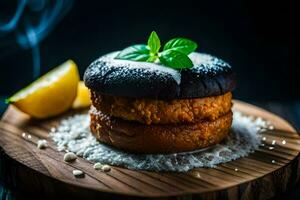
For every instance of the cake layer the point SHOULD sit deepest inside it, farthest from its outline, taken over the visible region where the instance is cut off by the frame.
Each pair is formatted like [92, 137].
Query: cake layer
[141, 138]
[149, 111]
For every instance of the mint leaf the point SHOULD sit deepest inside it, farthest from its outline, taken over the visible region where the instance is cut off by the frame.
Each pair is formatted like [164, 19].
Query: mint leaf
[175, 59]
[138, 52]
[182, 45]
[153, 43]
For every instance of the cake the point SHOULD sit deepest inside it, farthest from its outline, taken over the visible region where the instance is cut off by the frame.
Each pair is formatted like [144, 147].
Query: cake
[146, 107]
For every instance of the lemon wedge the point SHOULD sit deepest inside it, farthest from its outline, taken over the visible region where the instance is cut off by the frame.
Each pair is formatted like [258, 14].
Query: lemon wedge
[51, 94]
[83, 97]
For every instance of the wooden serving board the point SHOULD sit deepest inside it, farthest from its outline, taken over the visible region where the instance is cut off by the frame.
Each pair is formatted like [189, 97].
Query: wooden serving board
[260, 175]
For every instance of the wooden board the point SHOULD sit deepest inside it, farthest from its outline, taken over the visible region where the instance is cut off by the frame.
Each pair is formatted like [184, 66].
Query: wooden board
[261, 175]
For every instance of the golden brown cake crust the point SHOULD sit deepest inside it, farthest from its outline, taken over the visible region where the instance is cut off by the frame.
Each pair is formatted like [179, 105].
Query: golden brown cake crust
[141, 138]
[149, 111]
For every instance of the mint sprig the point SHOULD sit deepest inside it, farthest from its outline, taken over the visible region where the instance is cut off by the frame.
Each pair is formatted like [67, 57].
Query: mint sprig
[174, 55]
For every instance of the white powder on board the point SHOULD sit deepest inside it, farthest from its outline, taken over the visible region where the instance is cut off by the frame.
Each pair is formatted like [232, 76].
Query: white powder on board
[73, 134]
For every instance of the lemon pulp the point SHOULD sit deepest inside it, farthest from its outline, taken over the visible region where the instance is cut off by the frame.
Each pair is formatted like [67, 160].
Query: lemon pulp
[83, 98]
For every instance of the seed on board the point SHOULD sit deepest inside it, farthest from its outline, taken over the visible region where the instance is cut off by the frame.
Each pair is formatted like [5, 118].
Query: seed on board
[42, 144]
[198, 175]
[78, 173]
[195, 174]
[105, 168]
[98, 166]
[69, 157]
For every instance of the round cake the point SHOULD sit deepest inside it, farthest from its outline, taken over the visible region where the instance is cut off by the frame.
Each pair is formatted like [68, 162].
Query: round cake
[146, 107]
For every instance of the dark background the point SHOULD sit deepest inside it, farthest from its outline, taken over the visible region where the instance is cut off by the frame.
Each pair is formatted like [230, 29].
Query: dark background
[257, 39]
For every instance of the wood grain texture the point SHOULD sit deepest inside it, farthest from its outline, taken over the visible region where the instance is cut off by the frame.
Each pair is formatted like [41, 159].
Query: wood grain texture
[44, 171]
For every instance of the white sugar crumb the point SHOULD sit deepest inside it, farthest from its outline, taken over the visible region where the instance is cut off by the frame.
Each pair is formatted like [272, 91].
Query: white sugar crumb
[105, 168]
[73, 135]
[283, 142]
[198, 175]
[195, 174]
[69, 157]
[42, 144]
[23, 134]
[273, 142]
[29, 136]
[98, 166]
[273, 161]
[78, 173]
[236, 169]
[271, 148]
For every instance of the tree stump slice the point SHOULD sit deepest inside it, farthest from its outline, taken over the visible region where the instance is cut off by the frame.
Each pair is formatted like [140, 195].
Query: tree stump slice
[261, 175]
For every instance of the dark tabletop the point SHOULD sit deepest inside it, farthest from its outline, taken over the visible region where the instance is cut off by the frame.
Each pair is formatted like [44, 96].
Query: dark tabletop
[288, 110]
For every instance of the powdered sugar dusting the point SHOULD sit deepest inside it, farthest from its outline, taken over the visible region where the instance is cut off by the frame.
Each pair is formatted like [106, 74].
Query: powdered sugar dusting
[73, 135]
[207, 64]
[154, 67]
[203, 64]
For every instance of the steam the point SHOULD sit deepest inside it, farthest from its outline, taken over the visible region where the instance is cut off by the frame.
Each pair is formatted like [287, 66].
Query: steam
[31, 23]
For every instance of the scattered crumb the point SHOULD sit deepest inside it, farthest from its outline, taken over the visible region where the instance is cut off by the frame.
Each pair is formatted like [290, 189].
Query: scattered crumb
[198, 175]
[29, 136]
[273, 142]
[195, 174]
[283, 142]
[42, 144]
[105, 168]
[53, 129]
[264, 138]
[271, 148]
[98, 166]
[273, 161]
[236, 169]
[23, 134]
[78, 173]
[69, 157]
